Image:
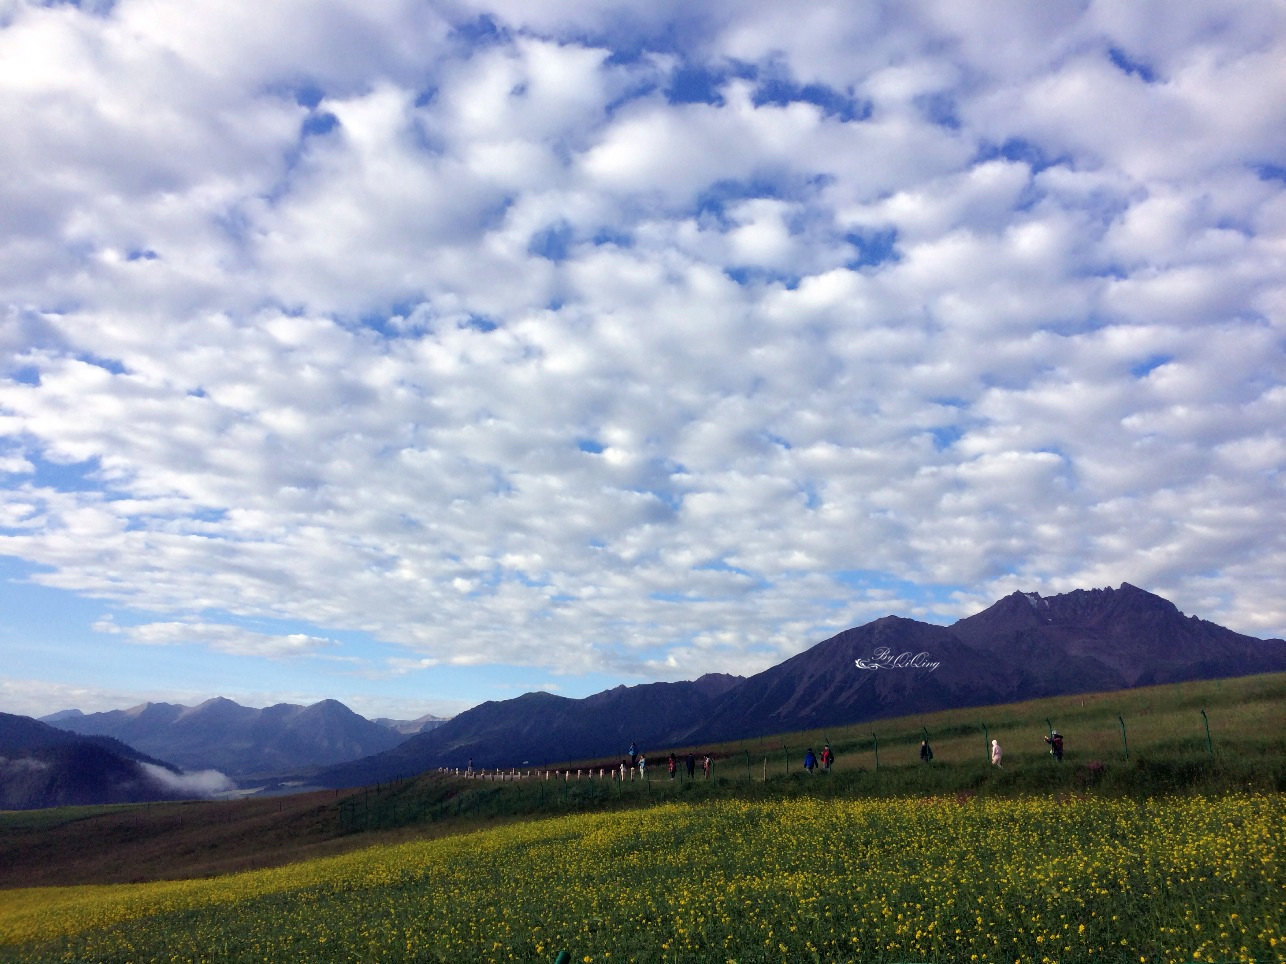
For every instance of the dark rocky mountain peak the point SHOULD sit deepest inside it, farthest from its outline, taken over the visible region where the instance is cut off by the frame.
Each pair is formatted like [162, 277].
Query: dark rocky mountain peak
[1023, 646]
[1105, 606]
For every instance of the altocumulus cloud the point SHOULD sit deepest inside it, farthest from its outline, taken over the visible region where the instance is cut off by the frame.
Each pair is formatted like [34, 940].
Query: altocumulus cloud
[583, 338]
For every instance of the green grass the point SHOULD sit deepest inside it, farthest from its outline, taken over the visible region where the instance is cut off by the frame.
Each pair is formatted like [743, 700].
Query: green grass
[1171, 853]
[1085, 879]
[1167, 754]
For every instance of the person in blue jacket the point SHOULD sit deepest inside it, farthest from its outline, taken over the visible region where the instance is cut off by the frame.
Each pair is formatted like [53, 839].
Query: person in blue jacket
[810, 761]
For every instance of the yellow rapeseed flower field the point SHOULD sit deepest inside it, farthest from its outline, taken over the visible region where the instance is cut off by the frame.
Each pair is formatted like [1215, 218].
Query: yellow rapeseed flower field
[945, 880]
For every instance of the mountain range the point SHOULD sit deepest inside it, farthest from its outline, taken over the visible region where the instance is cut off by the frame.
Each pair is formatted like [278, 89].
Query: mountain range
[243, 742]
[1024, 646]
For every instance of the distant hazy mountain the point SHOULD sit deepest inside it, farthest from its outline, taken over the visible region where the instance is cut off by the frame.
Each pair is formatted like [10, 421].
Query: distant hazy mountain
[42, 766]
[242, 742]
[1022, 647]
[411, 727]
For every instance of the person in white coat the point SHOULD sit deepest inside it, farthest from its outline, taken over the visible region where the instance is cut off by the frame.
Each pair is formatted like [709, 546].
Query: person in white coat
[995, 753]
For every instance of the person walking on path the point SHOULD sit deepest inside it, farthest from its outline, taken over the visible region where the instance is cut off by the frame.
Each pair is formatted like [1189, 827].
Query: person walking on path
[810, 761]
[827, 758]
[672, 764]
[706, 764]
[692, 765]
[634, 755]
[926, 751]
[995, 753]
[642, 765]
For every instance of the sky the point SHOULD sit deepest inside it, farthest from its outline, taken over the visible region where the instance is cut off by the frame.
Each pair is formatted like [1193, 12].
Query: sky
[416, 354]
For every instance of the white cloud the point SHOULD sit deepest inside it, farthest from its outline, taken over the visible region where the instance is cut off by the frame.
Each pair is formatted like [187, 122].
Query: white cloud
[198, 783]
[487, 349]
[223, 638]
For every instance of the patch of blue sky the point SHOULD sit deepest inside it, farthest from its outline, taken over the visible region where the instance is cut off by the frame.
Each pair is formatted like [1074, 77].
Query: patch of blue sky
[480, 32]
[812, 495]
[25, 375]
[318, 123]
[721, 565]
[592, 446]
[1021, 150]
[1269, 171]
[1070, 325]
[939, 108]
[945, 436]
[613, 237]
[396, 319]
[756, 276]
[700, 84]
[933, 598]
[113, 365]
[677, 597]
[874, 248]
[1131, 65]
[840, 105]
[96, 8]
[315, 124]
[714, 200]
[39, 614]
[236, 224]
[1150, 364]
[553, 242]
[83, 476]
[307, 95]
[775, 439]
[665, 502]
[193, 518]
[479, 323]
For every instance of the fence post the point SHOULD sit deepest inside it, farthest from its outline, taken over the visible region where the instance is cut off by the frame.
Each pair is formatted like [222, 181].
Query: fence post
[748, 778]
[1124, 742]
[1210, 747]
[877, 752]
[785, 758]
[986, 743]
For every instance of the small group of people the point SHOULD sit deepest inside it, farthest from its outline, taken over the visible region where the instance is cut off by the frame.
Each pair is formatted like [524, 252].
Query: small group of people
[639, 761]
[827, 758]
[672, 765]
[813, 761]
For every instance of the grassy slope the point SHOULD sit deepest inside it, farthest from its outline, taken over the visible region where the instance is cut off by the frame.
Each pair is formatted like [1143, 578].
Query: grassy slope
[1166, 732]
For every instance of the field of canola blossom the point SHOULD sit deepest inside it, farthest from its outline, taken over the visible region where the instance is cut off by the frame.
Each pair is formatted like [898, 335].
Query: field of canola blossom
[946, 879]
